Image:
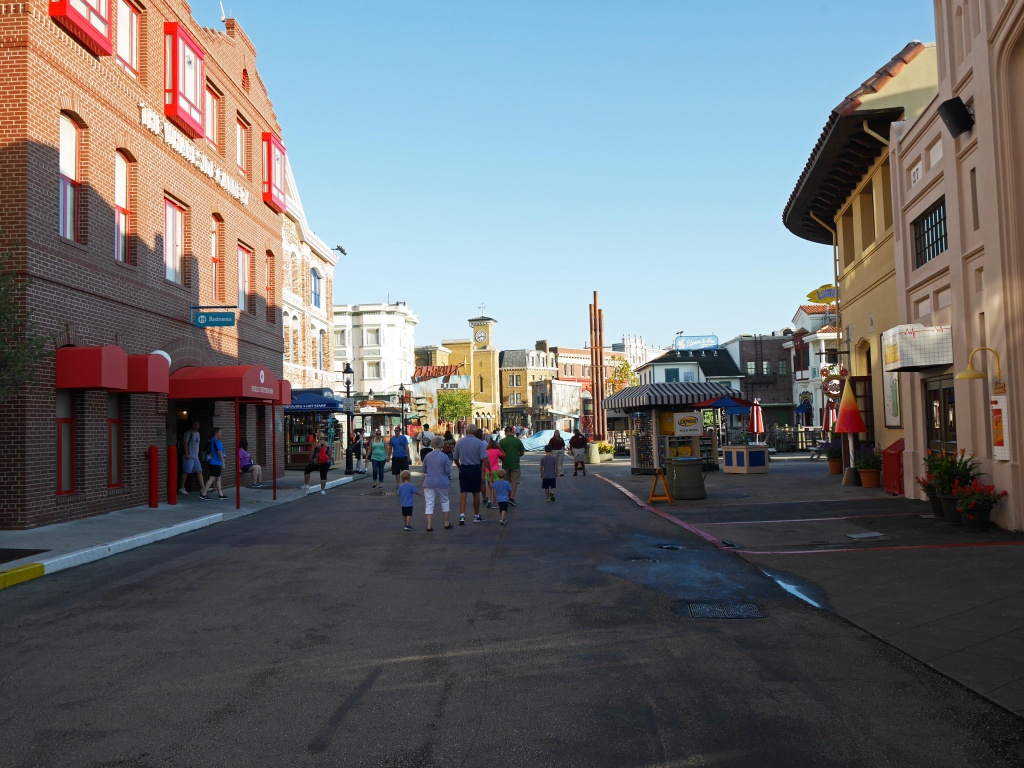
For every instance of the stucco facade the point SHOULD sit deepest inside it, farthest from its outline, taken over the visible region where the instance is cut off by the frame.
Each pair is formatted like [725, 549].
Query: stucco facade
[378, 340]
[973, 282]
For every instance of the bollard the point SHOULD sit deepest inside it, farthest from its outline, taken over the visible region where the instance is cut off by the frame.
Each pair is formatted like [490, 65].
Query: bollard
[172, 474]
[154, 477]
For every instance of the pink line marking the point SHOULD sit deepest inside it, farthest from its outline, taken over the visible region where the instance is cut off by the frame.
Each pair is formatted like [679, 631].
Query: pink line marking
[810, 519]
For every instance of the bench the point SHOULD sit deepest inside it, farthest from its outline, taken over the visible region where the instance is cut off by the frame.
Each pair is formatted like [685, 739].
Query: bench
[820, 450]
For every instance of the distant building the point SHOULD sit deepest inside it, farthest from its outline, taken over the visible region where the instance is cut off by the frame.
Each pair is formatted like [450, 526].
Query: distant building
[519, 370]
[378, 341]
[766, 364]
[556, 404]
[813, 346]
[692, 366]
[636, 350]
[478, 357]
[306, 298]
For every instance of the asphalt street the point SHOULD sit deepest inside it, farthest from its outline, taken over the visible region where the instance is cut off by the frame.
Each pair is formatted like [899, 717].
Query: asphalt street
[319, 633]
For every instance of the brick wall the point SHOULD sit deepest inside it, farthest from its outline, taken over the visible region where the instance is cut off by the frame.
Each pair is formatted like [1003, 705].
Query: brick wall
[78, 294]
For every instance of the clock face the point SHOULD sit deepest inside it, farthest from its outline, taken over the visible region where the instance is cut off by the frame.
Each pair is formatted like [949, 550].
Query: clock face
[481, 336]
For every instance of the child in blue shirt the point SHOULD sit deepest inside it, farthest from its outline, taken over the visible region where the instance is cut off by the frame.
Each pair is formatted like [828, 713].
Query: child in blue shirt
[502, 489]
[406, 492]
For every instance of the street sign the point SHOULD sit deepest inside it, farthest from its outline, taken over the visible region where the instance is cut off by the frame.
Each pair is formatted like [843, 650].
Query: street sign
[348, 403]
[213, 319]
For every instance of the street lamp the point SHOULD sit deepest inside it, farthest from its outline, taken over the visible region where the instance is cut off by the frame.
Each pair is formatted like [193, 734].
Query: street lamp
[348, 373]
[401, 403]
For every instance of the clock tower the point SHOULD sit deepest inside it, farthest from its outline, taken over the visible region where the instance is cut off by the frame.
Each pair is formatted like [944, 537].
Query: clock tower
[482, 329]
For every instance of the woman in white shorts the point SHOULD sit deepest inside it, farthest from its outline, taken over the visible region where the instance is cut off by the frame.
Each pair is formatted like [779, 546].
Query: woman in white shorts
[436, 466]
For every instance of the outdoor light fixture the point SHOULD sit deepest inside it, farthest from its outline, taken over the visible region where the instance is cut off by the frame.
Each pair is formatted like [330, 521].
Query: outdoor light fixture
[973, 373]
[348, 373]
[340, 250]
[958, 117]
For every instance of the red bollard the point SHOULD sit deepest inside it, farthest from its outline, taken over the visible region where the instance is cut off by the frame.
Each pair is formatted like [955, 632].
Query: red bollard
[154, 477]
[172, 474]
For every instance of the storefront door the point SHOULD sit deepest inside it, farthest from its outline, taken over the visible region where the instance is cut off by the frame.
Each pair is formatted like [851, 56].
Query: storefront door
[940, 416]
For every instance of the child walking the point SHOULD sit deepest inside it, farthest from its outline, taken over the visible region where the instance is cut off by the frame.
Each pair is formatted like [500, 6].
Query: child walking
[548, 473]
[502, 489]
[406, 492]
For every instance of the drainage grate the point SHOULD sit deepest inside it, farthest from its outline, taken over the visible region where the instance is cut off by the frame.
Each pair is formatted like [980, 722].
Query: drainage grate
[725, 611]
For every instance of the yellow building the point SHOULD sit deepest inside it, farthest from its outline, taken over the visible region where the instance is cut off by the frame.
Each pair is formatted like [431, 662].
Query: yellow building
[478, 357]
[520, 369]
[843, 198]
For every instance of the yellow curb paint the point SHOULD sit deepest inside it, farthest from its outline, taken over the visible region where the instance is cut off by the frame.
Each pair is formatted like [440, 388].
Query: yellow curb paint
[19, 575]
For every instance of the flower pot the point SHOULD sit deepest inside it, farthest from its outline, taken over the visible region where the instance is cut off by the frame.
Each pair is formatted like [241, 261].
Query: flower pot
[977, 519]
[869, 477]
[949, 510]
[835, 466]
[936, 506]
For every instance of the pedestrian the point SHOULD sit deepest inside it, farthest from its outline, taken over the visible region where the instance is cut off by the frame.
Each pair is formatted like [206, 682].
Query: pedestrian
[319, 461]
[448, 446]
[398, 451]
[248, 467]
[377, 455]
[471, 459]
[406, 493]
[502, 488]
[216, 449]
[494, 455]
[558, 449]
[365, 449]
[190, 458]
[578, 444]
[513, 450]
[549, 472]
[356, 449]
[426, 441]
[437, 467]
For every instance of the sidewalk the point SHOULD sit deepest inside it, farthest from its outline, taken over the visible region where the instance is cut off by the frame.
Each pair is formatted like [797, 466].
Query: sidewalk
[53, 548]
[951, 599]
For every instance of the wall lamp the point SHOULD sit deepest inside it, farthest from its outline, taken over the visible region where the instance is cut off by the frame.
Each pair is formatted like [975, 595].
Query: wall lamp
[974, 373]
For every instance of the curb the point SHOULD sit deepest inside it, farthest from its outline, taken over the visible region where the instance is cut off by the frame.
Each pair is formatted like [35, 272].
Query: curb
[24, 573]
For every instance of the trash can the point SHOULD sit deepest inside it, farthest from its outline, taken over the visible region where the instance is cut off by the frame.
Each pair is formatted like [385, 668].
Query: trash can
[686, 478]
[593, 454]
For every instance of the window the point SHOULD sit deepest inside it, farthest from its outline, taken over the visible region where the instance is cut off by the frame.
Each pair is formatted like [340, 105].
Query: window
[174, 242]
[184, 82]
[373, 369]
[515, 379]
[128, 38]
[751, 368]
[242, 146]
[70, 184]
[244, 255]
[273, 172]
[216, 258]
[88, 21]
[314, 288]
[671, 375]
[371, 337]
[339, 339]
[320, 350]
[766, 368]
[114, 446]
[271, 293]
[211, 118]
[65, 443]
[930, 234]
[689, 377]
[481, 383]
[782, 368]
[122, 215]
[515, 399]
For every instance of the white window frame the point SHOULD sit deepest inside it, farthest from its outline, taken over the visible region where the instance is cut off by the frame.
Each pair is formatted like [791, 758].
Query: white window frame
[174, 241]
[128, 37]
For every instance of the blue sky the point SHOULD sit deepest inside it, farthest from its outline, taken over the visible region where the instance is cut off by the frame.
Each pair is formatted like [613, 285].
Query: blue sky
[524, 154]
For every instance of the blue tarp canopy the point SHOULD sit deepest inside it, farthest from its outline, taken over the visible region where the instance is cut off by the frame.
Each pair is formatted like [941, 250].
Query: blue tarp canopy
[804, 407]
[312, 402]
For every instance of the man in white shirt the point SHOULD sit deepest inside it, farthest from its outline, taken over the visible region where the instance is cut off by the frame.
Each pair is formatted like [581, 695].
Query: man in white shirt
[190, 458]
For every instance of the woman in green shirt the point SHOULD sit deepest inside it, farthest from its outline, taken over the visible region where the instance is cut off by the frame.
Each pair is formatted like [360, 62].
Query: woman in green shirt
[377, 453]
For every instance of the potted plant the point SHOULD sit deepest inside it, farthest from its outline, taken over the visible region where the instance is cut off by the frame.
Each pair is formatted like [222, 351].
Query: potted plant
[929, 485]
[834, 455]
[952, 469]
[869, 464]
[975, 501]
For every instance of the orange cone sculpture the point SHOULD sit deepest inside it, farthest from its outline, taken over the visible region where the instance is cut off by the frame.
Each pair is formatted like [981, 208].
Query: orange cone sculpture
[849, 419]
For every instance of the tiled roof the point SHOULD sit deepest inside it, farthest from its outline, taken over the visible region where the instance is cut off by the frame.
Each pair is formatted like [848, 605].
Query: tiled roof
[843, 153]
[512, 358]
[826, 329]
[818, 309]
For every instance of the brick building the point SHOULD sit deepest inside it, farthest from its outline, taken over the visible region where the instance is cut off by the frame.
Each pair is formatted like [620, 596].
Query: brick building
[142, 172]
[765, 361]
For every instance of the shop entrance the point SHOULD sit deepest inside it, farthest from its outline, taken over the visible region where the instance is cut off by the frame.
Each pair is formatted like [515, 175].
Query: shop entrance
[940, 415]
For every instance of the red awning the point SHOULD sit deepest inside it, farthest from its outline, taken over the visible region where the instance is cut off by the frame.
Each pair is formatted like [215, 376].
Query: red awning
[148, 373]
[225, 382]
[103, 367]
[285, 396]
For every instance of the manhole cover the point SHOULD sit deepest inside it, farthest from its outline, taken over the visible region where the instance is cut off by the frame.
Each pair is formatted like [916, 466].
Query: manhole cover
[669, 546]
[725, 611]
[642, 560]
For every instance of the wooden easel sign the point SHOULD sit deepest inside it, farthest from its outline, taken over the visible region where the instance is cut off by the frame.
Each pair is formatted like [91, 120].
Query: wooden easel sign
[659, 475]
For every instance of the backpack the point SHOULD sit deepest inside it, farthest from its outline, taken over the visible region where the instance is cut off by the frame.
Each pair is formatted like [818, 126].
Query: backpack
[323, 456]
[208, 453]
[425, 442]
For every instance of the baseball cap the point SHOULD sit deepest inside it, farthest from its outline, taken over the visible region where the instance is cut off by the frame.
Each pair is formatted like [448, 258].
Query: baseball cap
[509, 429]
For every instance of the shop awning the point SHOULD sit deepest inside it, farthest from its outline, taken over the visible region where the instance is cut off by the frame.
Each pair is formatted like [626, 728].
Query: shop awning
[665, 394]
[224, 382]
[284, 395]
[916, 347]
[103, 367]
[804, 407]
[148, 373]
[312, 402]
